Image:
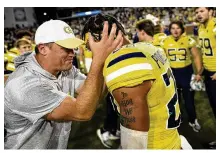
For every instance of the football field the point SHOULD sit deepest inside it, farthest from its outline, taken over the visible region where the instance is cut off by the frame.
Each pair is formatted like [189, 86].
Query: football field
[83, 134]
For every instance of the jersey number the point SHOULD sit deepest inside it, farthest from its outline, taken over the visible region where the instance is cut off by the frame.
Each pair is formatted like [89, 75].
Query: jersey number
[173, 55]
[172, 122]
[206, 45]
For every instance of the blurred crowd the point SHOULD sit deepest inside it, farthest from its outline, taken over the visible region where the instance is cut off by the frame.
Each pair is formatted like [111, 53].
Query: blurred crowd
[127, 16]
[11, 35]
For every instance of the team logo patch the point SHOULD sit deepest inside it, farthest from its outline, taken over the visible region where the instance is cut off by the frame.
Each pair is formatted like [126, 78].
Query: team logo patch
[68, 30]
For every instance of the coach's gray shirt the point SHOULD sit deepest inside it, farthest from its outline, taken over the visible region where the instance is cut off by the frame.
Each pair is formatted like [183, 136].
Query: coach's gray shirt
[31, 93]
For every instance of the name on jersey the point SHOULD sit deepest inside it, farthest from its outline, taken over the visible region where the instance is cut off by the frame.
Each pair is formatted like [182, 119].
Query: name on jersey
[158, 58]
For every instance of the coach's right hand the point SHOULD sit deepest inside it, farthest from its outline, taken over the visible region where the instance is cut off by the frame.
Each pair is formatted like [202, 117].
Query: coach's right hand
[107, 44]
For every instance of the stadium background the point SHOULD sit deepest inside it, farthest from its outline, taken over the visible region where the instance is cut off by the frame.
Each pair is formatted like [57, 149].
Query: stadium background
[83, 134]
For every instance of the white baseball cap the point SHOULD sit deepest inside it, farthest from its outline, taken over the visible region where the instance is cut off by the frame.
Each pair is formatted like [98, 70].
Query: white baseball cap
[58, 32]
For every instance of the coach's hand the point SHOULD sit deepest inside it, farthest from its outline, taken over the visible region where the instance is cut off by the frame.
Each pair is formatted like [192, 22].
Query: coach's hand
[107, 44]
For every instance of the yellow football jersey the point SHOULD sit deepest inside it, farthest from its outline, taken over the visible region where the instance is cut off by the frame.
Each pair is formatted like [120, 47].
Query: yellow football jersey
[10, 66]
[158, 38]
[87, 53]
[207, 42]
[178, 52]
[5, 57]
[14, 50]
[11, 56]
[135, 63]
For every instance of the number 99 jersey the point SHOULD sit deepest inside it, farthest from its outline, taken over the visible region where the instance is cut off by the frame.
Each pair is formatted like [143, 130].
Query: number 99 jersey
[178, 52]
[207, 43]
[132, 65]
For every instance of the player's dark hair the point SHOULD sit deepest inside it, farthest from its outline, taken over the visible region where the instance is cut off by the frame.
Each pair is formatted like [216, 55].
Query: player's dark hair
[147, 26]
[179, 23]
[95, 25]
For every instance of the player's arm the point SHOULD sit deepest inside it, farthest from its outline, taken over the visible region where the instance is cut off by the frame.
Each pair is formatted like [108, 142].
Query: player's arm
[197, 61]
[84, 106]
[213, 77]
[133, 106]
[197, 58]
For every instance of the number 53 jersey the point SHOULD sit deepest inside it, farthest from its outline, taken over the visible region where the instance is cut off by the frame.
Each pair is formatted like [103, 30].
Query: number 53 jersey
[178, 52]
[136, 63]
[207, 43]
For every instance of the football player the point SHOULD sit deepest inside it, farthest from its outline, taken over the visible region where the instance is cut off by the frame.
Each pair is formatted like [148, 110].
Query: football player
[179, 47]
[143, 26]
[140, 79]
[207, 42]
[109, 132]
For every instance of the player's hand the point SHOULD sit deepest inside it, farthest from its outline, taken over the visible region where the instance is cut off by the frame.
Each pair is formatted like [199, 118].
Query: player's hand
[107, 44]
[213, 76]
[198, 77]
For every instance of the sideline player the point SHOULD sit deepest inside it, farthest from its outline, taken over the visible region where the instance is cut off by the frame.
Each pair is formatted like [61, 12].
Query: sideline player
[207, 41]
[179, 47]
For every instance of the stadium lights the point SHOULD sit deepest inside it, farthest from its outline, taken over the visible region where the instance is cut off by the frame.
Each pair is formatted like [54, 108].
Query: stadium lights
[81, 14]
[45, 13]
[88, 13]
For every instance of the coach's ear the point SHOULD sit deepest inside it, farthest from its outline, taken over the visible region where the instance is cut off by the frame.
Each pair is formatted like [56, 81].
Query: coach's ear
[43, 49]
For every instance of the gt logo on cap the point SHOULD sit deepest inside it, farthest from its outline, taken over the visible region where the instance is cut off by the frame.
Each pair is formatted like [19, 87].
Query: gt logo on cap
[68, 30]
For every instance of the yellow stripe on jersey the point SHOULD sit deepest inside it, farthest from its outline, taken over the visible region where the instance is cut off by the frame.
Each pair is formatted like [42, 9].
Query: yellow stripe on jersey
[178, 52]
[127, 67]
[207, 42]
[133, 64]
